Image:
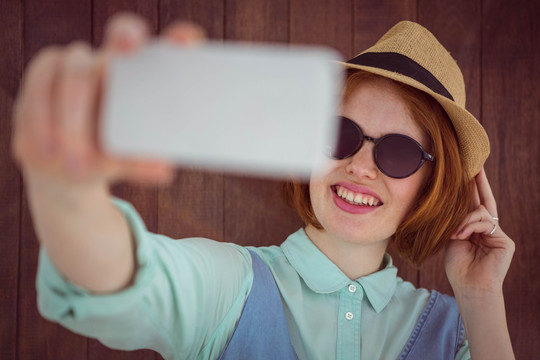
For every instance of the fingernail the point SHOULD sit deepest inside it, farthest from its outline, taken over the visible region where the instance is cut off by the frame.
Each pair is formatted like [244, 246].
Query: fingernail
[127, 34]
[127, 37]
[186, 33]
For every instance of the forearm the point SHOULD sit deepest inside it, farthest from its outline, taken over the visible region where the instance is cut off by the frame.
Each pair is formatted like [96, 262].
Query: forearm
[484, 317]
[84, 234]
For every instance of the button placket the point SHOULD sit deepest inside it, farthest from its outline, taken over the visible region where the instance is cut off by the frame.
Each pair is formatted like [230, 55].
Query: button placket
[349, 320]
[352, 289]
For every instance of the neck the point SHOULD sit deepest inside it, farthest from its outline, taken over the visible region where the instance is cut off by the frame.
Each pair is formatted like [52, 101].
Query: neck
[354, 259]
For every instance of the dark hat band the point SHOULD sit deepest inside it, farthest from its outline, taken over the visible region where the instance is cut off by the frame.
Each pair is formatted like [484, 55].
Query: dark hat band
[403, 65]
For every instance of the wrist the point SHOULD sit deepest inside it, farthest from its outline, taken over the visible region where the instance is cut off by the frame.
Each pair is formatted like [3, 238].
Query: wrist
[484, 317]
[473, 305]
[469, 293]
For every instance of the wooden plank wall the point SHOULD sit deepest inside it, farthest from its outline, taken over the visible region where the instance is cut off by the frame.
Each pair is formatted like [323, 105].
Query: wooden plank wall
[496, 43]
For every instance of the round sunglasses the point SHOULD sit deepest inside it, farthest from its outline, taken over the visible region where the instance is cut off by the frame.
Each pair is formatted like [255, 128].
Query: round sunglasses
[397, 156]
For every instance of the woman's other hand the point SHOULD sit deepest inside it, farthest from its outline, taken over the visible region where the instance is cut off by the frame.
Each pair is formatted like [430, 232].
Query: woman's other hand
[479, 255]
[477, 260]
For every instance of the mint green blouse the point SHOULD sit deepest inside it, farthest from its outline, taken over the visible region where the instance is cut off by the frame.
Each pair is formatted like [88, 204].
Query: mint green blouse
[188, 294]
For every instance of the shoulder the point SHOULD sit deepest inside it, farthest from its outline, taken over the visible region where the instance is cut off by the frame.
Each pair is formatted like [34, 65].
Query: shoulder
[407, 293]
[275, 260]
[198, 253]
[421, 298]
[269, 254]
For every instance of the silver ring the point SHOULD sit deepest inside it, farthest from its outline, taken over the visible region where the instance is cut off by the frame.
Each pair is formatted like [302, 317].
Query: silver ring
[495, 218]
[493, 230]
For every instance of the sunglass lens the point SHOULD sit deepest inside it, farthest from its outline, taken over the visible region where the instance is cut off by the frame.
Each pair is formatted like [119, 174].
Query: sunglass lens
[349, 139]
[398, 156]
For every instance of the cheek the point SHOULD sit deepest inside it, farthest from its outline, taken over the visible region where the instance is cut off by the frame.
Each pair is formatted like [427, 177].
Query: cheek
[319, 182]
[319, 193]
[408, 190]
[315, 192]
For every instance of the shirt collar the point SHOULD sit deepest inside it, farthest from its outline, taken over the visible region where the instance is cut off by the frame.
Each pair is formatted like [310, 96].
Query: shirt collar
[322, 276]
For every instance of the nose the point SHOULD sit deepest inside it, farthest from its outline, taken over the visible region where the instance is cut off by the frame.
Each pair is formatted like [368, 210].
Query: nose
[362, 164]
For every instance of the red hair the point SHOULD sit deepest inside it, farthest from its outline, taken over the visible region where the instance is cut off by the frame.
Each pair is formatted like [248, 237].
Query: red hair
[443, 202]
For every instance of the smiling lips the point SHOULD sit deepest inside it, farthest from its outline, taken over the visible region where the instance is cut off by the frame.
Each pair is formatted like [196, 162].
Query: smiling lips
[357, 199]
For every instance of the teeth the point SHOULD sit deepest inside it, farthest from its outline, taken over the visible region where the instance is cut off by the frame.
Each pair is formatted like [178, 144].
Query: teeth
[356, 199]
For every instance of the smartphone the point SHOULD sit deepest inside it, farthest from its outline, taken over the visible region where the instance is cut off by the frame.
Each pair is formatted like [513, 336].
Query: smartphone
[262, 109]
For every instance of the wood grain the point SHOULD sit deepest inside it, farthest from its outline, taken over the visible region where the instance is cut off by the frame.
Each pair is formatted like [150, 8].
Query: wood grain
[373, 18]
[510, 98]
[257, 20]
[330, 23]
[10, 182]
[255, 212]
[192, 206]
[495, 43]
[54, 22]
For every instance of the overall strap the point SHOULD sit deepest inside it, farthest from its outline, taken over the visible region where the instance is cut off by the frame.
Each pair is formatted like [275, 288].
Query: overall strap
[439, 333]
[261, 332]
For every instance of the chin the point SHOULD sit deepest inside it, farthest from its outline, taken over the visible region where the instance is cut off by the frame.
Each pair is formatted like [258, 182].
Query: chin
[361, 234]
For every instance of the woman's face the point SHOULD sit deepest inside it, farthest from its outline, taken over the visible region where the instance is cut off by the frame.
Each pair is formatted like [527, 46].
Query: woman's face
[379, 110]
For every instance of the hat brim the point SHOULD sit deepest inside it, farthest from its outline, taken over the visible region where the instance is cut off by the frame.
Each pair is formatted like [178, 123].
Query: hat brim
[470, 133]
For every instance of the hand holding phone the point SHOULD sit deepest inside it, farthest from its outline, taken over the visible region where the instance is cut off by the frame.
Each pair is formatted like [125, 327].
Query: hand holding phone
[262, 109]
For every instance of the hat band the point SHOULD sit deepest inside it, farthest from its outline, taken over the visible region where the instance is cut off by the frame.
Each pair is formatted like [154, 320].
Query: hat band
[403, 65]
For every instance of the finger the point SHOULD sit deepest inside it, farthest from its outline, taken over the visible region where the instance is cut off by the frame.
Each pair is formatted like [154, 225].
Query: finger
[479, 214]
[478, 227]
[485, 193]
[142, 171]
[475, 195]
[125, 33]
[151, 173]
[75, 108]
[184, 32]
[32, 139]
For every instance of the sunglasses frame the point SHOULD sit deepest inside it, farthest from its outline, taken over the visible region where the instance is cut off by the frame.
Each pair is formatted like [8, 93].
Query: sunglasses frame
[425, 155]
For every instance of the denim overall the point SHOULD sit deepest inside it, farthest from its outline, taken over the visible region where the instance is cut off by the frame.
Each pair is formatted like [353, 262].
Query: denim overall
[262, 333]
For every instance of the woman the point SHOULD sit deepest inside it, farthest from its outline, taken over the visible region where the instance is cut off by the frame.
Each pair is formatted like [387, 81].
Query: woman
[403, 172]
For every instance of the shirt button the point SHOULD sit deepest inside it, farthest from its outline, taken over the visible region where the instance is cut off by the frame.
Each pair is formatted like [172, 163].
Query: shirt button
[349, 316]
[352, 288]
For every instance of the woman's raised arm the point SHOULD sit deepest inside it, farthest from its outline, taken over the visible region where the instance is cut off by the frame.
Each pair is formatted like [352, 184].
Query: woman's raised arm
[66, 175]
[477, 261]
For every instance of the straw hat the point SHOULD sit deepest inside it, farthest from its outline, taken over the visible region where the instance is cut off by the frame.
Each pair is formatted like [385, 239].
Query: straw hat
[410, 54]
